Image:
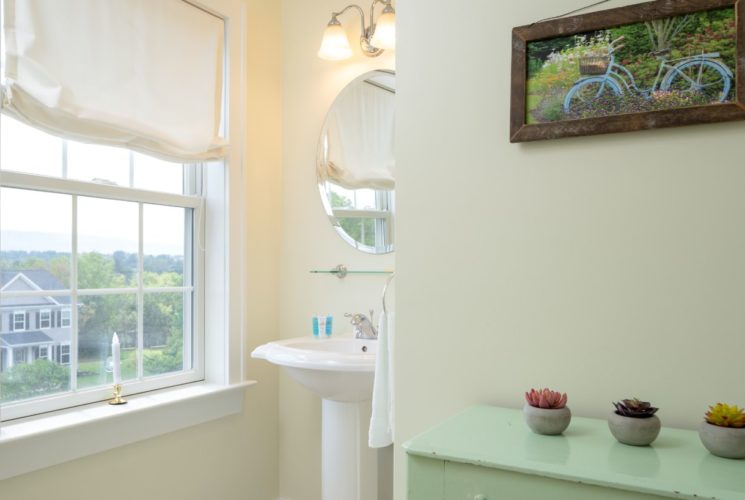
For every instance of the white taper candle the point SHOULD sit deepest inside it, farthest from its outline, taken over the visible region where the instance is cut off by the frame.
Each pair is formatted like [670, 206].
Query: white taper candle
[116, 357]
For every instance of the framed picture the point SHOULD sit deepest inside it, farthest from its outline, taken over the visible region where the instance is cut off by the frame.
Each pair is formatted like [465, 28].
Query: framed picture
[657, 64]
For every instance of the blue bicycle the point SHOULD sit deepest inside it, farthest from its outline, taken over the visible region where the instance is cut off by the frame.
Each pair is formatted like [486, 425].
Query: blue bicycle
[704, 75]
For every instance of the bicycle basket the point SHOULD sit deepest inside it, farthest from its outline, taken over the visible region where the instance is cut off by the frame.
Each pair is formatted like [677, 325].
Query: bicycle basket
[593, 65]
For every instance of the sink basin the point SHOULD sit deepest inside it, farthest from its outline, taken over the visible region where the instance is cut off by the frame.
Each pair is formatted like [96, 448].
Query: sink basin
[337, 369]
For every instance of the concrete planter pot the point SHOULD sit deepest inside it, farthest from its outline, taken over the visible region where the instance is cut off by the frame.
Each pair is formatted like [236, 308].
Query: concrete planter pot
[634, 431]
[725, 442]
[549, 422]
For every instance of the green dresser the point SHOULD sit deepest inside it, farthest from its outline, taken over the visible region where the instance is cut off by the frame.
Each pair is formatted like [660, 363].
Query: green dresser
[488, 453]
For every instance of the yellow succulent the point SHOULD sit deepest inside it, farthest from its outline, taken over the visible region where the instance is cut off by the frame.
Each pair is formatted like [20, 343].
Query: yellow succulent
[725, 415]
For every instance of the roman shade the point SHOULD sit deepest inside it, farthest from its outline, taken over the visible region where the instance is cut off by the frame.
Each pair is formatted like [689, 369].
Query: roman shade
[142, 74]
[358, 152]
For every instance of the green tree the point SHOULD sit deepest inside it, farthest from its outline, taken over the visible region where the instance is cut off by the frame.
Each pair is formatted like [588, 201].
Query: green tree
[168, 360]
[96, 270]
[35, 379]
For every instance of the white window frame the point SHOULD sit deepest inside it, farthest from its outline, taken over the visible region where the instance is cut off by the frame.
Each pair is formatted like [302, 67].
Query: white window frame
[24, 443]
[62, 348]
[193, 340]
[15, 322]
[383, 218]
[48, 320]
[46, 352]
[65, 317]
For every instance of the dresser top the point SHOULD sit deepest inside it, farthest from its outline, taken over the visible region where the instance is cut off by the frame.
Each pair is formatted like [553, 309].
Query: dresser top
[676, 465]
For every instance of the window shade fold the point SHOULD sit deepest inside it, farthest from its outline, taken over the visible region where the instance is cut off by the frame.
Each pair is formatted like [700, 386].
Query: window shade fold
[359, 139]
[142, 74]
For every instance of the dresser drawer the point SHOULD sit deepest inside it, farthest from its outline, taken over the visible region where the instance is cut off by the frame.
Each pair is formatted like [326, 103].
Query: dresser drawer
[471, 482]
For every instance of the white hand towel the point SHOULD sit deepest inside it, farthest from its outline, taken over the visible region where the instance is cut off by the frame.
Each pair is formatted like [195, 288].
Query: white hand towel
[381, 422]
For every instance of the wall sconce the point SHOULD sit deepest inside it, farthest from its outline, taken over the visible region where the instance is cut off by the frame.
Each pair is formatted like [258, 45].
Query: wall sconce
[373, 39]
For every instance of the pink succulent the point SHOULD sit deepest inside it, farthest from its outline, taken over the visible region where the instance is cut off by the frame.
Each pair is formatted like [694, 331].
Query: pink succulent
[546, 398]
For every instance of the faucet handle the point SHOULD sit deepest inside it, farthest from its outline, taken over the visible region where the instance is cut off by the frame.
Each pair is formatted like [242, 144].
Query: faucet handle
[357, 318]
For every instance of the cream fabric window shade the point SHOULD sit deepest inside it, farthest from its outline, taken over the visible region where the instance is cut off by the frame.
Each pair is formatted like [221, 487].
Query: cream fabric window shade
[142, 74]
[359, 135]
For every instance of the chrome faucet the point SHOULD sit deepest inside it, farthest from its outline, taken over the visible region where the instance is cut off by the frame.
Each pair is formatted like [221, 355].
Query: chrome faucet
[362, 326]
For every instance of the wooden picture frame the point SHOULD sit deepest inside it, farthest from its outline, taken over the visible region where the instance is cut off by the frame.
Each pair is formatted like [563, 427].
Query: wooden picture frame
[522, 131]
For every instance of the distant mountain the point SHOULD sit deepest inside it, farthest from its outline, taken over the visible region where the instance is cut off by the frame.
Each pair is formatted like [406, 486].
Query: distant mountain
[57, 242]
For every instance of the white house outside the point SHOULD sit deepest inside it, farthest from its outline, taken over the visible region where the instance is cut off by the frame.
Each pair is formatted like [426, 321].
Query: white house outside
[33, 328]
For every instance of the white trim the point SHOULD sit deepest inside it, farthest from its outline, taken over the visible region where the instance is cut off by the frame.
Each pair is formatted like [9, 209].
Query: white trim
[62, 318]
[67, 186]
[31, 444]
[22, 312]
[69, 354]
[41, 320]
[23, 277]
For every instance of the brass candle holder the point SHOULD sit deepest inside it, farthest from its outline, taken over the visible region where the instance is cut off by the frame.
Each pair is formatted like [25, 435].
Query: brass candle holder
[118, 399]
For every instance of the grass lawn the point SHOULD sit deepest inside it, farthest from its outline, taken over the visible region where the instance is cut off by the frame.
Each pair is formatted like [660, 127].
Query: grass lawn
[92, 372]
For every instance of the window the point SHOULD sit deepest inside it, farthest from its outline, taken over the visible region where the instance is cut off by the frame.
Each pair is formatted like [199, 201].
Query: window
[43, 352]
[19, 321]
[45, 319]
[111, 236]
[19, 356]
[365, 215]
[64, 354]
[65, 317]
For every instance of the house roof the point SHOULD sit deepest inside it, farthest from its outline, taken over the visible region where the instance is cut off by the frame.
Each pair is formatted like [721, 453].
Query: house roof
[16, 339]
[30, 279]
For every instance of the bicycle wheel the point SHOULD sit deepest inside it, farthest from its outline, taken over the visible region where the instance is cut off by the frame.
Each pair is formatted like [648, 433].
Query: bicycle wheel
[711, 80]
[590, 96]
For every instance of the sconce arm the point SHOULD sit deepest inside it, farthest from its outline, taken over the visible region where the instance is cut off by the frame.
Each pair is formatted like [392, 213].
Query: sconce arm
[359, 10]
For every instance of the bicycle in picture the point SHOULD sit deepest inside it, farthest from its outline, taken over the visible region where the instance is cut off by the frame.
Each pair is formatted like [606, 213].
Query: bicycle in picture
[702, 76]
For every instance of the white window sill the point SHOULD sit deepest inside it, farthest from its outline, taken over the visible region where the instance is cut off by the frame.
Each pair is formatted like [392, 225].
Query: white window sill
[34, 443]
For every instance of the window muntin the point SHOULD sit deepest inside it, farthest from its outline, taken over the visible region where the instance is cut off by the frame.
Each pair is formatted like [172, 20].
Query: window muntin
[124, 261]
[19, 321]
[65, 317]
[64, 354]
[45, 319]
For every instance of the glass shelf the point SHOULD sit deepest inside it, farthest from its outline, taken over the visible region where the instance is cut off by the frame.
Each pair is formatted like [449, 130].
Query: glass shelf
[341, 271]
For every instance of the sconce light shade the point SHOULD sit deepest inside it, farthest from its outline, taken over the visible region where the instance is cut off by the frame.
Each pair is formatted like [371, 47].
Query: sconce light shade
[385, 30]
[334, 45]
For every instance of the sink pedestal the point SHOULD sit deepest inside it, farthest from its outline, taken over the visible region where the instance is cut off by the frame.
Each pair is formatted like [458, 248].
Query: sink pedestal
[349, 467]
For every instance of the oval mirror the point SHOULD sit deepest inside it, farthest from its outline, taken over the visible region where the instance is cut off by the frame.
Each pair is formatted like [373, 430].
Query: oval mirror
[355, 163]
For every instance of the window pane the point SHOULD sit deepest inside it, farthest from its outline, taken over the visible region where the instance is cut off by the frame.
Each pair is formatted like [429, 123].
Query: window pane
[164, 333]
[108, 237]
[163, 244]
[100, 317]
[26, 149]
[361, 229]
[35, 243]
[361, 199]
[158, 175]
[87, 162]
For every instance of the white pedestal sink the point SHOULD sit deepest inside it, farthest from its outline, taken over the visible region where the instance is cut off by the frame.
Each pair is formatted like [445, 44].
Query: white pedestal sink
[340, 370]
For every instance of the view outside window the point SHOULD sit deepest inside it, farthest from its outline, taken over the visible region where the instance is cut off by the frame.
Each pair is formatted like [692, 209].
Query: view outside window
[76, 268]
[364, 214]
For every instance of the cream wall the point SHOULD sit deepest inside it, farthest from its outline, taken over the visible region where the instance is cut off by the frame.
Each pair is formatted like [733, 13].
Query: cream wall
[234, 458]
[309, 86]
[606, 267]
